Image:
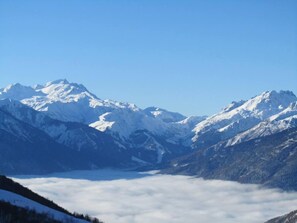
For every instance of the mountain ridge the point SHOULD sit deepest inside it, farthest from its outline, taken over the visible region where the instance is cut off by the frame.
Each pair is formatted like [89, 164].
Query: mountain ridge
[71, 102]
[270, 160]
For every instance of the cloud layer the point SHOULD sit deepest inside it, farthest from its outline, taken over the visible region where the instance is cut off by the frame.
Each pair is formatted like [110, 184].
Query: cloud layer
[125, 197]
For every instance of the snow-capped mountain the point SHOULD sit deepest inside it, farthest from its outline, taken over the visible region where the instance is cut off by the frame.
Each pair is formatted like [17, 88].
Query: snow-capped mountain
[251, 141]
[284, 120]
[78, 145]
[70, 102]
[75, 135]
[69, 145]
[266, 112]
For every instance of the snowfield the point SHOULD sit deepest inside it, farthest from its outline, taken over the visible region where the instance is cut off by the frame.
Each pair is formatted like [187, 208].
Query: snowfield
[131, 197]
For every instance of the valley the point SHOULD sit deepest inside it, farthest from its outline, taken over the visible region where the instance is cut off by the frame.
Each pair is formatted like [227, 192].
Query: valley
[116, 196]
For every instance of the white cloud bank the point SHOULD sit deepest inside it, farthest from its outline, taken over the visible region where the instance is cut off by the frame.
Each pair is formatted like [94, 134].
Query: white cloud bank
[125, 197]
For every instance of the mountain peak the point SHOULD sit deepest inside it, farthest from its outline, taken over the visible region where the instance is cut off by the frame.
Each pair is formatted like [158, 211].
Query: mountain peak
[14, 86]
[62, 88]
[275, 94]
[164, 115]
[265, 101]
[241, 116]
[270, 100]
[58, 81]
[233, 105]
[17, 92]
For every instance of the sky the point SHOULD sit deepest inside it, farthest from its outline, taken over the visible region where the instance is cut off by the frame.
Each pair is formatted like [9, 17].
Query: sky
[191, 56]
[126, 197]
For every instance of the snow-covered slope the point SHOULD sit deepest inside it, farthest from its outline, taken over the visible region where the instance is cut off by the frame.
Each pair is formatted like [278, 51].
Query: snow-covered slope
[18, 92]
[266, 109]
[25, 129]
[75, 135]
[26, 203]
[164, 115]
[284, 120]
[27, 200]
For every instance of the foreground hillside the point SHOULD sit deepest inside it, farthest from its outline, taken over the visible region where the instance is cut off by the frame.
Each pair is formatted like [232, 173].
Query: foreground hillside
[19, 204]
[14, 214]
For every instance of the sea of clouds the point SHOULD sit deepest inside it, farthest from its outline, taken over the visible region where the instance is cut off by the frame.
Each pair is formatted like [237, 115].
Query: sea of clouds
[131, 197]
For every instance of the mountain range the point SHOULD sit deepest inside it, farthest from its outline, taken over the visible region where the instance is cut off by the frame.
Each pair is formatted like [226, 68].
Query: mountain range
[68, 127]
[150, 135]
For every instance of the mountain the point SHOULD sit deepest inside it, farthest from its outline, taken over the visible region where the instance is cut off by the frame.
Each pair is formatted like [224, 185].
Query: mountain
[269, 160]
[151, 135]
[25, 149]
[252, 141]
[265, 114]
[33, 143]
[72, 102]
[288, 218]
[19, 204]
[94, 148]
[284, 120]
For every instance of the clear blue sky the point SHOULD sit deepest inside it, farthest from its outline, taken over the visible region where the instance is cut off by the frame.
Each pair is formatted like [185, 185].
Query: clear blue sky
[188, 56]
